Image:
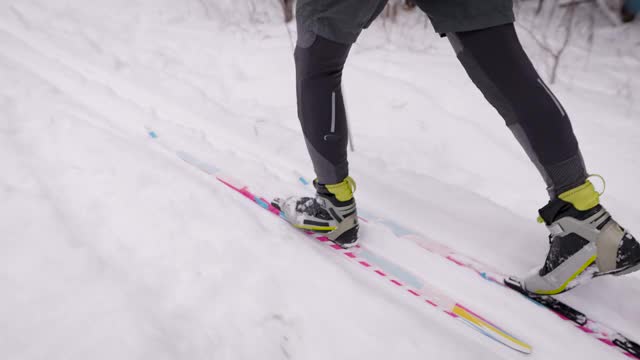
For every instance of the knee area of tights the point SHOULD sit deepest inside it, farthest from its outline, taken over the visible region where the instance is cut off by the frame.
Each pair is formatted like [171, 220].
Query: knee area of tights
[322, 51]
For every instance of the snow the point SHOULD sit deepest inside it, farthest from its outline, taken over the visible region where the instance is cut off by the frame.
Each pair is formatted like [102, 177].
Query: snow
[112, 247]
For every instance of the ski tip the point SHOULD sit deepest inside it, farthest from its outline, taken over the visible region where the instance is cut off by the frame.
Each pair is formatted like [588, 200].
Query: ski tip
[491, 330]
[516, 284]
[230, 181]
[152, 134]
[303, 181]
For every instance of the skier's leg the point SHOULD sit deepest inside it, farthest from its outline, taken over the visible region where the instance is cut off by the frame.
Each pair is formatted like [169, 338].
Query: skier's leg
[319, 64]
[321, 108]
[326, 30]
[497, 64]
[584, 236]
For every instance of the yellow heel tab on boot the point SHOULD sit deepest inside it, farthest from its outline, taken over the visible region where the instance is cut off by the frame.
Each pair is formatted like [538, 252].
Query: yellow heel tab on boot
[343, 190]
[583, 197]
[604, 183]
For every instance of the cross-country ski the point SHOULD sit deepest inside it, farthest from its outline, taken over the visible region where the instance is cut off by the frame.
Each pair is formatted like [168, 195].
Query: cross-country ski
[319, 179]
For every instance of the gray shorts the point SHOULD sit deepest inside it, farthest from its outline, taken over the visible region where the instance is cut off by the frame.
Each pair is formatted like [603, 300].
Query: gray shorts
[343, 20]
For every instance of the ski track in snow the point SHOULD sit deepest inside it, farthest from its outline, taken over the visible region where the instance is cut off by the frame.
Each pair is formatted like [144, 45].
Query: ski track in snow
[113, 248]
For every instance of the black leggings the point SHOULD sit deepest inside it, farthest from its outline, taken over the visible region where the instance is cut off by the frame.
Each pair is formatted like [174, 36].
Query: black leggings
[496, 63]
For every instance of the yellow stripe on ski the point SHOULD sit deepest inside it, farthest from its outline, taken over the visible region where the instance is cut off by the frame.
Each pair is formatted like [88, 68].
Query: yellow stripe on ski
[475, 320]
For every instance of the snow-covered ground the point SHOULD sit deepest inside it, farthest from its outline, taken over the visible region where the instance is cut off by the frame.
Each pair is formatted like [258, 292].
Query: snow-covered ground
[113, 248]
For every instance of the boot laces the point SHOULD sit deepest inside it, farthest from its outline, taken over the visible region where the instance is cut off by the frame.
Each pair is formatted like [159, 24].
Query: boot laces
[311, 207]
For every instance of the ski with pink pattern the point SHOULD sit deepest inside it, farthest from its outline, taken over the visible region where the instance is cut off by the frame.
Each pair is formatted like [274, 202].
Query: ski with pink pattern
[366, 259]
[601, 332]
[426, 293]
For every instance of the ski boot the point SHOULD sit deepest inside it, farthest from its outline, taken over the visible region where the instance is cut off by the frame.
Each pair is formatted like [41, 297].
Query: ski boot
[332, 211]
[585, 242]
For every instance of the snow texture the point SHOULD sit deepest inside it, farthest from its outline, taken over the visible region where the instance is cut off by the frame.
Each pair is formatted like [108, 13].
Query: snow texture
[113, 248]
